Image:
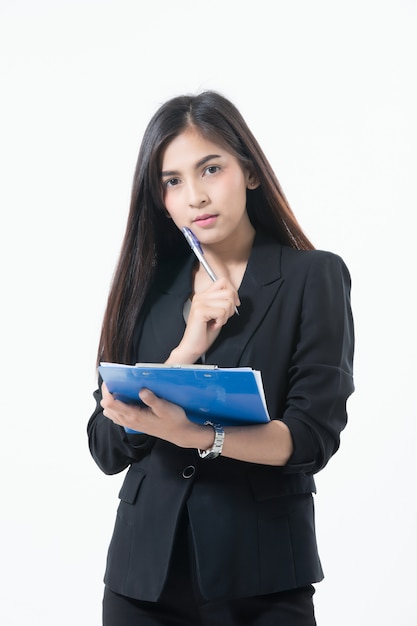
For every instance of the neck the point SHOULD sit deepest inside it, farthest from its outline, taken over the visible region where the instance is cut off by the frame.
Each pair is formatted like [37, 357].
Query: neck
[232, 251]
[228, 258]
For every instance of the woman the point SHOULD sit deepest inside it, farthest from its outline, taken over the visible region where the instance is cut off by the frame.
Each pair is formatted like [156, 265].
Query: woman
[216, 526]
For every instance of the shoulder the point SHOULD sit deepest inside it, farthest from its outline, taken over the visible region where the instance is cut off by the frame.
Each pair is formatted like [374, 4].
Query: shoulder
[270, 261]
[312, 262]
[307, 258]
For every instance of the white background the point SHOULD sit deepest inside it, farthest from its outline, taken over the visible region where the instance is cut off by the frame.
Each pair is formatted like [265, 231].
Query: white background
[329, 90]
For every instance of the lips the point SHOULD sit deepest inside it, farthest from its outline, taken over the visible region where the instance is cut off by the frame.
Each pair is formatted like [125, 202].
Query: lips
[205, 220]
[206, 216]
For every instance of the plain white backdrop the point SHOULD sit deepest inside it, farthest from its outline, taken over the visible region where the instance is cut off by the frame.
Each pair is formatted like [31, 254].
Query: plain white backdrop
[329, 89]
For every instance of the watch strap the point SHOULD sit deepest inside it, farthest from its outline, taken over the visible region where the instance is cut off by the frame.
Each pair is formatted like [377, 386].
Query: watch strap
[217, 447]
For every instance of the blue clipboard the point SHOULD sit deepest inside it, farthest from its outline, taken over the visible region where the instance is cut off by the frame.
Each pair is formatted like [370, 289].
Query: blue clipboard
[227, 396]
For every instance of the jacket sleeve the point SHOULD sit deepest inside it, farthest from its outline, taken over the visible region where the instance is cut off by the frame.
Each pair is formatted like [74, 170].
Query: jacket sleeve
[321, 369]
[111, 447]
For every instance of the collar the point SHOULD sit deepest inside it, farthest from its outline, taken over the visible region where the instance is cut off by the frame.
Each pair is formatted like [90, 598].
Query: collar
[264, 267]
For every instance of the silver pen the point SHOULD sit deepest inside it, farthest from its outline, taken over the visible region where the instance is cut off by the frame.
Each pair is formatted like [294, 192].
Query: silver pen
[198, 251]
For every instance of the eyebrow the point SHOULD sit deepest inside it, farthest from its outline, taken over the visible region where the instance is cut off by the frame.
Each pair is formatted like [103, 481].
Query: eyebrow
[199, 163]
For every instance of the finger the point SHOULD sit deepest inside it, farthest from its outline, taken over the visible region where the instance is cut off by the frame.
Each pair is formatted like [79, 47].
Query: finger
[148, 397]
[217, 305]
[221, 311]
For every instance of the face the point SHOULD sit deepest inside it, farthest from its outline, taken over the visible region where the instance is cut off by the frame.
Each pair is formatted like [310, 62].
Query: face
[205, 189]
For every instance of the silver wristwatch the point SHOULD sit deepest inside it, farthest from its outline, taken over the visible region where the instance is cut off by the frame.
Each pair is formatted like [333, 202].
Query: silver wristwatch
[217, 447]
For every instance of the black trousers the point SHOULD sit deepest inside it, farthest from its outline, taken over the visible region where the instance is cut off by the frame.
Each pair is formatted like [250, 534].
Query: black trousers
[182, 605]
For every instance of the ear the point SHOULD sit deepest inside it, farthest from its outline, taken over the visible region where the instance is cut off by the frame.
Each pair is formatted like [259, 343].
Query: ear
[252, 182]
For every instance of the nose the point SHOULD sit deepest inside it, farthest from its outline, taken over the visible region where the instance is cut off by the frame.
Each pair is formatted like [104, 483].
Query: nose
[197, 195]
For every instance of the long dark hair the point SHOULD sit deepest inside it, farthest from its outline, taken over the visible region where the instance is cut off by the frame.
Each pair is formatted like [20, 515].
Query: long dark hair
[151, 238]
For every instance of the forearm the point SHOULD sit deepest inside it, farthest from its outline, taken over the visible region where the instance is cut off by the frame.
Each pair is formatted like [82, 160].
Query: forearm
[266, 444]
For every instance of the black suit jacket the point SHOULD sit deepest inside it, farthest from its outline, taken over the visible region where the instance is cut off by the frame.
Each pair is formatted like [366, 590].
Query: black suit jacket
[252, 525]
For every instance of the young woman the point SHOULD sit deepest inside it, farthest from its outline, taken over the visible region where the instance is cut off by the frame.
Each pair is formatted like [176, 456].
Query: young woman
[216, 526]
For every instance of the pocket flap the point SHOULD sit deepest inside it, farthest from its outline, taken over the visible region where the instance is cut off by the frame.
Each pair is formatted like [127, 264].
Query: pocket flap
[270, 483]
[131, 484]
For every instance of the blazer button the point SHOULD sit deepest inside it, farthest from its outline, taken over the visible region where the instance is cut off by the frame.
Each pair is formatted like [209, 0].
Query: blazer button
[188, 471]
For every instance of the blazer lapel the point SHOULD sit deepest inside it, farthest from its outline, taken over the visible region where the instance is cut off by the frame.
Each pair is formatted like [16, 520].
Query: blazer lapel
[260, 285]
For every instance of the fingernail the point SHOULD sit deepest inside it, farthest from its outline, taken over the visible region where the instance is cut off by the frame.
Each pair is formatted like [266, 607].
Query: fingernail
[144, 394]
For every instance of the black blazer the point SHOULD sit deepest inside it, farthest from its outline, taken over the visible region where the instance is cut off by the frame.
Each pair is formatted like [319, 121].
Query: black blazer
[252, 525]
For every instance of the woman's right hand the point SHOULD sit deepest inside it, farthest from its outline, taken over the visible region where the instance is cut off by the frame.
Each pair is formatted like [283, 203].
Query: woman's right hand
[210, 310]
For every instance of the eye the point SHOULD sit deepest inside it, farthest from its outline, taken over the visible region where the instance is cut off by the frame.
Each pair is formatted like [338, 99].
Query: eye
[171, 182]
[212, 169]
